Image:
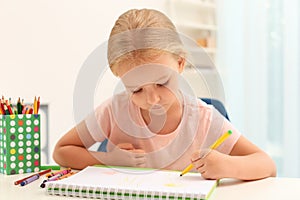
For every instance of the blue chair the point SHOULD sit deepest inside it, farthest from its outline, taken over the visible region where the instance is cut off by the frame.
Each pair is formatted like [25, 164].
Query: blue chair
[216, 103]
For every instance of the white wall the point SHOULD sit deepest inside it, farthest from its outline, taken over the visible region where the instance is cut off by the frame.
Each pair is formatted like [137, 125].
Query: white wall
[44, 43]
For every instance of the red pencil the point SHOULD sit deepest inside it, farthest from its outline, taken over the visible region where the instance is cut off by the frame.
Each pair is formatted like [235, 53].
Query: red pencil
[2, 107]
[39, 173]
[38, 105]
[9, 108]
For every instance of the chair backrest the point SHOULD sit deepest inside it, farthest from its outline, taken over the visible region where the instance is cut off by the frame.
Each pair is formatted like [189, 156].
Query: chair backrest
[216, 103]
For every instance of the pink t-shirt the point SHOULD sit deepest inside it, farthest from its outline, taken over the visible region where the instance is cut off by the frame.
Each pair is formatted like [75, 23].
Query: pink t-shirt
[120, 121]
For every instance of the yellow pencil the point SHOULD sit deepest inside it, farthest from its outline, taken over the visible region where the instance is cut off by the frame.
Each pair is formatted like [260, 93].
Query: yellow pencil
[213, 146]
[35, 106]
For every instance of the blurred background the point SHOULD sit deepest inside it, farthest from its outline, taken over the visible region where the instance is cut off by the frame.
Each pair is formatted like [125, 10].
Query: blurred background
[253, 47]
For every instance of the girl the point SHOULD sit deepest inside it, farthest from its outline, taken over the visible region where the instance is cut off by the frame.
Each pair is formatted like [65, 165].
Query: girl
[154, 123]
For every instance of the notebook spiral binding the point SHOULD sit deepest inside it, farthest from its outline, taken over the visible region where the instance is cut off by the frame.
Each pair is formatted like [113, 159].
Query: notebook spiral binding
[113, 193]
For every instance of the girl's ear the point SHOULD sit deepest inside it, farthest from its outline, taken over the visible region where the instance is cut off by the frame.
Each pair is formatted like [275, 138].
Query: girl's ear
[181, 64]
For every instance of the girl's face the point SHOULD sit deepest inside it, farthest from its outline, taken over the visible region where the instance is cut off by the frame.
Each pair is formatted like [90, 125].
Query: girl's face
[153, 87]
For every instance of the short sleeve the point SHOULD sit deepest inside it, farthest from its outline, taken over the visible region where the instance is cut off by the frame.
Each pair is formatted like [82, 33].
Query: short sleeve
[218, 126]
[99, 122]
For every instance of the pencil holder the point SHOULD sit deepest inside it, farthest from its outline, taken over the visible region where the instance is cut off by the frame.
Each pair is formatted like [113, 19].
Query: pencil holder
[19, 143]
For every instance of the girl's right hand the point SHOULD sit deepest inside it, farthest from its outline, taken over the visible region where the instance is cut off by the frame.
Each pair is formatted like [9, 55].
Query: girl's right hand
[124, 154]
[211, 164]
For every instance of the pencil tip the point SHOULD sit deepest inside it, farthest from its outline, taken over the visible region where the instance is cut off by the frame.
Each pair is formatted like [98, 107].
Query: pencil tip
[180, 174]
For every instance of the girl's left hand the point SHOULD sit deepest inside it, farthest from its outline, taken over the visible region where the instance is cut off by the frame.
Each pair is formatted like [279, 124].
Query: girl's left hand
[211, 164]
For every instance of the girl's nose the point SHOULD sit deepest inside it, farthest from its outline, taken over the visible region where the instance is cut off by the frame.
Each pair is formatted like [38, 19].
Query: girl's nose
[152, 95]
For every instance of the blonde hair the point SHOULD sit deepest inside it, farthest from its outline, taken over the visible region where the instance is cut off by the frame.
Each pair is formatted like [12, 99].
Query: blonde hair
[141, 35]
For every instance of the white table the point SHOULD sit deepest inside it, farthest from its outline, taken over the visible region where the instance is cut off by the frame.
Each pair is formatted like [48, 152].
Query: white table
[266, 189]
[228, 189]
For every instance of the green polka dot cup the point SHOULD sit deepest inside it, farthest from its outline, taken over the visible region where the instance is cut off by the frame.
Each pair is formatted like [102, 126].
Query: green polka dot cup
[19, 144]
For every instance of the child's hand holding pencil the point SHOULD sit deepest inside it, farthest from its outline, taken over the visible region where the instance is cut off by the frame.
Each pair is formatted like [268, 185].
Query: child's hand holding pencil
[211, 166]
[209, 161]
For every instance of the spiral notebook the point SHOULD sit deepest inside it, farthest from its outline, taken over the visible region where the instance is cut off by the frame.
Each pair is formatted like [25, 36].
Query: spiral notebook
[132, 183]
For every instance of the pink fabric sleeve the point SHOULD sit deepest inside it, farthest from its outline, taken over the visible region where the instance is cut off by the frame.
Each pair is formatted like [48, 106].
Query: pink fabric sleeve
[227, 146]
[226, 125]
[217, 125]
[98, 122]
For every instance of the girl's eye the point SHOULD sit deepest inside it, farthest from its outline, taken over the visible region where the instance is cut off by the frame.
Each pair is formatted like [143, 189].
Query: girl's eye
[163, 84]
[137, 91]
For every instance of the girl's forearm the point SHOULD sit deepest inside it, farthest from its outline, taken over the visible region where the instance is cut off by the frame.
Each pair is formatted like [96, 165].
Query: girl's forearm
[250, 167]
[76, 157]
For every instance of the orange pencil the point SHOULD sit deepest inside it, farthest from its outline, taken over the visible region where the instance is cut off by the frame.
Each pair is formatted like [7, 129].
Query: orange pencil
[2, 112]
[2, 107]
[27, 110]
